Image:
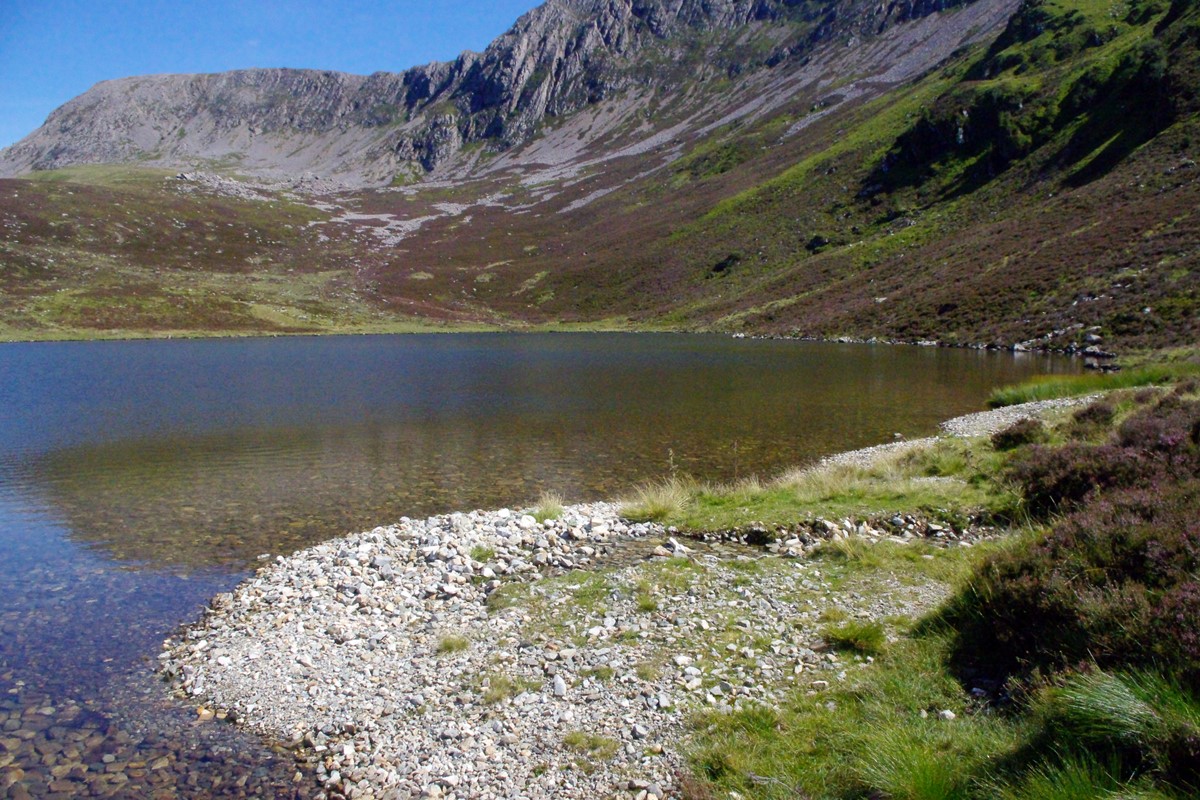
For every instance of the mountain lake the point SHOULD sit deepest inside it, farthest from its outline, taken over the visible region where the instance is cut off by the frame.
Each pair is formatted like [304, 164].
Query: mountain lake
[140, 478]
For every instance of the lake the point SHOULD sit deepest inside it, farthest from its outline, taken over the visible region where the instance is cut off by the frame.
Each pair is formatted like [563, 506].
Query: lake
[139, 478]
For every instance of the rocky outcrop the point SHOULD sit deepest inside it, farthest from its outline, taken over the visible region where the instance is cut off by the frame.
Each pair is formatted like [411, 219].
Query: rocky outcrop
[557, 59]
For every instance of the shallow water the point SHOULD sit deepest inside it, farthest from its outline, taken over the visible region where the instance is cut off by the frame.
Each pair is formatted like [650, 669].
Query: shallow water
[137, 479]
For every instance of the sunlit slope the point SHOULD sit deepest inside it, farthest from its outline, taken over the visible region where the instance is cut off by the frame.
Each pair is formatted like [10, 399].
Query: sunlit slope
[1027, 190]
[1036, 188]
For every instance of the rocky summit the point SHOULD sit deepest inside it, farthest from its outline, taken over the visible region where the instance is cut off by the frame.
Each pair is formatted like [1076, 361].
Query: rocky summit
[623, 59]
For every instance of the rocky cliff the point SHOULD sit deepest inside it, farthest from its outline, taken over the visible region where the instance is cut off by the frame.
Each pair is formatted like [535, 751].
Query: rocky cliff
[556, 60]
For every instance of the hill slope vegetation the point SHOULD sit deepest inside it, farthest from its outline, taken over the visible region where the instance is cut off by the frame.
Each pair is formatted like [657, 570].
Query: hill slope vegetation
[988, 174]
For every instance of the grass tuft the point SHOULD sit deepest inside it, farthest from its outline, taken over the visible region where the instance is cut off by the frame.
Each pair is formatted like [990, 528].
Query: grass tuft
[591, 744]
[549, 506]
[1099, 706]
[912, 768]
[661, 500]
[453, 644]
[498, 687]
[482, 553]
[865, 637]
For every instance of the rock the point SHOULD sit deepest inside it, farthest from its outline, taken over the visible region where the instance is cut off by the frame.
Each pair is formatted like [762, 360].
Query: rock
[362, 690]
[946, 714]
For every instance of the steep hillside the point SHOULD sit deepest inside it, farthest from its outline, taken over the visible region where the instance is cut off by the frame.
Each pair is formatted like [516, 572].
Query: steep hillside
[1037, 188]
[1039, 191]
[660, 62]
[989, 174]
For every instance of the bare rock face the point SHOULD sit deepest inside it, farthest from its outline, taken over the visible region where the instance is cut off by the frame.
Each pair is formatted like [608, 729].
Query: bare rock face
[556, 60]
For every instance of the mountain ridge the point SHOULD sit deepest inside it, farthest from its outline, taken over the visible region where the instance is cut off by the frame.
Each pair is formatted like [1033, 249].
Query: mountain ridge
[1008, 173]
[556, 60]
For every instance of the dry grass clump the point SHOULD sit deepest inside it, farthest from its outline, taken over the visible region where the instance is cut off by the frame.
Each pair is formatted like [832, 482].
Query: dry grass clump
[549, 506]
[660, 500]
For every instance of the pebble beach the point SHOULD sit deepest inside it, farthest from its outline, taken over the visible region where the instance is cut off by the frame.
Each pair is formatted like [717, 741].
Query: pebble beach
[501, 655]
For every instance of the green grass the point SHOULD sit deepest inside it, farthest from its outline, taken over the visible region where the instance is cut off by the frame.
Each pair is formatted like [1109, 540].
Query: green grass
[660, 501]
[498, 687]
[646, 601]
[865, 637]
[952, 476]
[865, 739]
[604, 673]
[1080, 777]
[1125, 712]
[549, 506]
[916, 561]
[647, 671]
[104, 175]
[1054, 386]
[591, 744]
[482, 553]
[452, 644]
[593, 593]
[507, 596]
[674, 574]
[1079, 733]
[880, 735]
[590, 748]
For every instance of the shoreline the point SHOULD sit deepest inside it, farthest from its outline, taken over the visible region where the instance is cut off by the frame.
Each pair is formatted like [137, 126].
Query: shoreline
[467, 654]
[1091, 353]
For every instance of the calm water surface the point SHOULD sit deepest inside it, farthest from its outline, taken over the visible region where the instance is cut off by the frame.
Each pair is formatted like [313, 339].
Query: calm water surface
[137, 479]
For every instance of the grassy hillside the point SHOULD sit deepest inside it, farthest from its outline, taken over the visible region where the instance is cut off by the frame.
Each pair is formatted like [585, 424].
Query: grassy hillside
[1034, 188]
[1040, 188]
[114, 251]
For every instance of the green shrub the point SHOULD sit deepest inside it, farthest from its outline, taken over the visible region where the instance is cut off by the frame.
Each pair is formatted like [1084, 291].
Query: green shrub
[1156, 444]
[1099, 414]
[1022, 432]
[1056, 480]
[1116, 581]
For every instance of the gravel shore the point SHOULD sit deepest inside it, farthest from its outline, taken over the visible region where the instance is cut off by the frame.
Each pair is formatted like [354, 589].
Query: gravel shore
[982, 423]
[482, 655]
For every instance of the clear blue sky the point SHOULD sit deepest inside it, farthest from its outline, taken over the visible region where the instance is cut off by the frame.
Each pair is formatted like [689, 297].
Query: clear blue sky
[53, 50]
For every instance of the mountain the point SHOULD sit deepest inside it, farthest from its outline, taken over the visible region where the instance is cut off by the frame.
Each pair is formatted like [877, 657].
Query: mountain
[639, 61]
[992, 173]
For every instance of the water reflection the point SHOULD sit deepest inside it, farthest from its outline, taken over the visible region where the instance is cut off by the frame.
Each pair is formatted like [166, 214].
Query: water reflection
[137, 479]
[587, 425]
